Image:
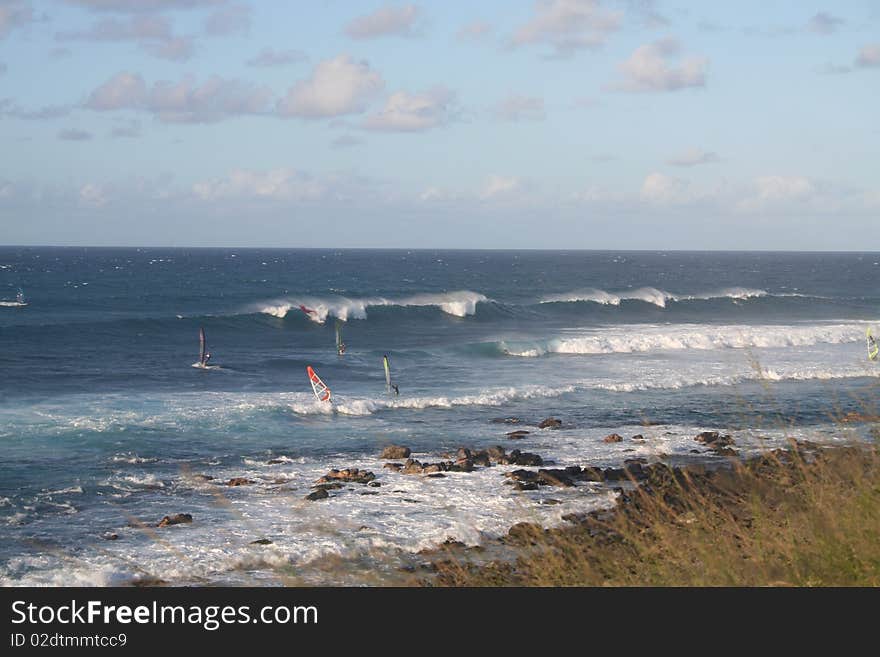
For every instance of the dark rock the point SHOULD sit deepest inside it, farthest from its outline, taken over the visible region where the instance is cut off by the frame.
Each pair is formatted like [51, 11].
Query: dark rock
[393, 466]
[369, 492]
[638, 436]
[412, 467]
[573, 470]
[520, 485]
[592, 474]
[496, 452]
[463, 465]
[202, 477]
[436, 475]
[550, 423]
[431, 468]
[463, 453]
[395, 452]
[351, 475]
[240, 481]
[482, 458]
[319, 494]
[522, 475]
[176, 519]
[374, 484]
[613, 474]
[550, 501]
[555, 478]
[612, 438]
[332, 485]
[713, 439]
[516, 435]
[261, 541]
[522, 458]
[274, 461]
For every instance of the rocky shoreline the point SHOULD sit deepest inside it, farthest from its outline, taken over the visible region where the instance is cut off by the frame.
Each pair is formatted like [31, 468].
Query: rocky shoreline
[533, 472]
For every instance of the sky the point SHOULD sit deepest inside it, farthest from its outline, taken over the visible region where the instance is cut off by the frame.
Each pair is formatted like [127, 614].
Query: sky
[590, 124]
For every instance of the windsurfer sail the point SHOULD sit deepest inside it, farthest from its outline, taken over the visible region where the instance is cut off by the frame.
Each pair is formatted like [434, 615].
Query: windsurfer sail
[340, 345]
[322, 392]
[873, 348]
[204, 356]
[388, 385]
[20, 298]
[307, 311]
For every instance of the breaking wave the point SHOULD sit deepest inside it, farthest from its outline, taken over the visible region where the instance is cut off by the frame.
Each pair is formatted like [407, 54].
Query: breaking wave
[650, 295]
[653, 338]
[460, 304]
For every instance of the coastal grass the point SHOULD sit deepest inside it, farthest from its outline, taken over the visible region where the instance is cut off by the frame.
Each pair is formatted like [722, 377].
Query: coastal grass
[801, 516]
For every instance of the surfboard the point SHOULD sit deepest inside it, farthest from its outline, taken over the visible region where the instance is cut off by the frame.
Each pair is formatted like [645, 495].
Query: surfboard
[322, 392]
[873, 348]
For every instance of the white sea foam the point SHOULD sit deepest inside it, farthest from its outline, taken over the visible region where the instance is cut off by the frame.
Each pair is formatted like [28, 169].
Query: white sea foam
[650, 295]
[460, 304]
[650, 338]
[367, 406]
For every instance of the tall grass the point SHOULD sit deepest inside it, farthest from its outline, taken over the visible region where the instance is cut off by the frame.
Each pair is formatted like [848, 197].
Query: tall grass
[795, 517]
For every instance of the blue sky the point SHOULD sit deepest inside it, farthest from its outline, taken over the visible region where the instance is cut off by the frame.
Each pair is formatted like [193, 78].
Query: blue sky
[494, 124]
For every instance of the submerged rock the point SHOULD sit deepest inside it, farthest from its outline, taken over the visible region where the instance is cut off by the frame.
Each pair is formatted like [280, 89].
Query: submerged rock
[550, 423]
[516, 435]
[240, 481]
[176, 519]
[612, 438]
[261, 541]
[319, 494]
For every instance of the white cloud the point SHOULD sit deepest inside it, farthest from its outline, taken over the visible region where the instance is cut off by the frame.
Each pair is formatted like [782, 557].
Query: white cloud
[282, 184]
[774, 190]
[271, 57]
[869, 56]
[405, 112]
[520, 108]
[662, 189]
[824, 23]
[498, 186]
[233, 19]
[93, 195]
[476, 31]
[153, 33]
[387, 21]
[652, 68]
[568, 25]
[336, 87]
[13, 14]
[693, 157]
[123, 91]
[139, 6]
[181, 102]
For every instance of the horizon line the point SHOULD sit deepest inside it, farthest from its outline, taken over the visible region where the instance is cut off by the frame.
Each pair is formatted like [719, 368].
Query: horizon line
[419, 248]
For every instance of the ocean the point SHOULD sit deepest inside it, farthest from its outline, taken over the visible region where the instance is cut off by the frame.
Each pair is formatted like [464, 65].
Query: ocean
[105, 423]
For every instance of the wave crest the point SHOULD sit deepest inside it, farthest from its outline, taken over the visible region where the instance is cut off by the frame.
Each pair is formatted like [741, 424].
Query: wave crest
[460, 303]
[650, 295]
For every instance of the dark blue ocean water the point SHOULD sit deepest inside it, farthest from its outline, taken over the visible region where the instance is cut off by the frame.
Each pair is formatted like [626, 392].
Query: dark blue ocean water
[103, 418]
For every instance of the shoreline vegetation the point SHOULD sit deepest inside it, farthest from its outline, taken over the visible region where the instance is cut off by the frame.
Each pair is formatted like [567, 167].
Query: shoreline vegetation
[801, 515]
